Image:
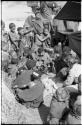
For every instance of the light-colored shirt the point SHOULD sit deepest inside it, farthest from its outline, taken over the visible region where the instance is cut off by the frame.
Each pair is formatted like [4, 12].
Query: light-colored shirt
[75, 71]
[14, 36]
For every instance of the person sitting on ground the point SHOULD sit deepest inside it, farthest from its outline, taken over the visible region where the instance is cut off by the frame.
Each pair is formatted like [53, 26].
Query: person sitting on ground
[71, 58]
[59, 103]
[74, 72]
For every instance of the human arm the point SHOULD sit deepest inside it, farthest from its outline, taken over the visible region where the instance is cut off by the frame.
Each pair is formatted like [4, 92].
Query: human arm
[28, 31]
[41, 37]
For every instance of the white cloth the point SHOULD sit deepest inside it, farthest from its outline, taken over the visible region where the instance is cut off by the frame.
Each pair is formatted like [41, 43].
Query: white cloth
[50, 86]
[75, 71]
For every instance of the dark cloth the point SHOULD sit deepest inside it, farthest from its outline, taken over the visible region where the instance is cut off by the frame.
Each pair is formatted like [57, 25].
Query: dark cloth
[30, 63]
[60, 37]
[22, 79]
[33, 96]
[59, 64]
[31, 93]
[71, 11]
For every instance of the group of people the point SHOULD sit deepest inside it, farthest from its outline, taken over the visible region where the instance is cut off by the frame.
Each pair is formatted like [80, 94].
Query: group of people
[30, 48]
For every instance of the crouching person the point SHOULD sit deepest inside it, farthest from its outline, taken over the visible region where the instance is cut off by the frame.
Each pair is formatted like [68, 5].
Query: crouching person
[58, 105]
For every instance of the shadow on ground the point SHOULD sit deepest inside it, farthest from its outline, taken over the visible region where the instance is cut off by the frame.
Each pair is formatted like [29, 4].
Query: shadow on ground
[44, 111]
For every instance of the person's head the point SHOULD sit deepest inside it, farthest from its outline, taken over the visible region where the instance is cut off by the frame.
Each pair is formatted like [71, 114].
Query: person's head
[40, 50]
[12, 27]
[66, 50]
[62, 74]
[2, 25]
[46, 26]
[5, 37]
[37, 15]
[62, 94]
[20, 30]
[59, 44]
[45, 31]
[64, 71]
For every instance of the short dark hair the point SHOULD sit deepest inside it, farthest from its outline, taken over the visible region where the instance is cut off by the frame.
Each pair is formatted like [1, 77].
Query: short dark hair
[19, 28]
[11, 25]
[40, 50]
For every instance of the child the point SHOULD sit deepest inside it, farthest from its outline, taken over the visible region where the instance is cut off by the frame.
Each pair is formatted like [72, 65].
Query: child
[13, 36]
[74, 72]
[44, 38]
[58, 105]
